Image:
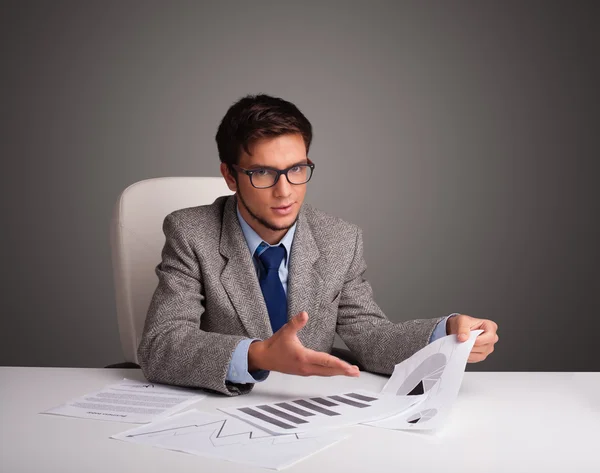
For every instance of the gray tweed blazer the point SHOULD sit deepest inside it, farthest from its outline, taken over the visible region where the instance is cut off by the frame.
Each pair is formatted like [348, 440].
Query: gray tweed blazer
[208, 298]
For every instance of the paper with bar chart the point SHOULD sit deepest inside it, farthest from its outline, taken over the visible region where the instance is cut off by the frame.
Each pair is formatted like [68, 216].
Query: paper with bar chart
[313, 414]
[435, 372]
[220, 436]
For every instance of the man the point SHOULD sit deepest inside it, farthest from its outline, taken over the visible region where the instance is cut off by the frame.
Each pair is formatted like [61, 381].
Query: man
[258, 282]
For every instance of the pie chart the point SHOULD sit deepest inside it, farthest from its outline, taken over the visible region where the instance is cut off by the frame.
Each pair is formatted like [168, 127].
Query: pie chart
[424, 377]
[422, 416]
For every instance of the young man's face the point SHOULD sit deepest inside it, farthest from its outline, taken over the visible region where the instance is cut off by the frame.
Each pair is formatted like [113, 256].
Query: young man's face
[272, 211]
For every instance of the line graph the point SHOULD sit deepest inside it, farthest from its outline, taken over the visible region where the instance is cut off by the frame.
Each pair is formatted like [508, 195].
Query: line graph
[221, 436]
[217, 428]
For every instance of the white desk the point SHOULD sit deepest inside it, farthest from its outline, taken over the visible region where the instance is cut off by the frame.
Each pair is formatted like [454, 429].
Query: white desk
[501, 422]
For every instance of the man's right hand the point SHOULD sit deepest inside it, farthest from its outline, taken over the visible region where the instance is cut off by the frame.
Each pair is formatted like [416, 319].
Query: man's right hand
[283, 352]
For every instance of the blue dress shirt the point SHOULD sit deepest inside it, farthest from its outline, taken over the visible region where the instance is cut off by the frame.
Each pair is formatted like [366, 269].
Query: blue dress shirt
[238, 367]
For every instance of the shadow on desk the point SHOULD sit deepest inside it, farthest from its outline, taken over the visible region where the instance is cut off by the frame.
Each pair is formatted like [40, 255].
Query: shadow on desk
[342, 353]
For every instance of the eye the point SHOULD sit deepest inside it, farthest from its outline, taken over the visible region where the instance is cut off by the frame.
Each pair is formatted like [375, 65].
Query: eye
[261, 172]
[296, 169]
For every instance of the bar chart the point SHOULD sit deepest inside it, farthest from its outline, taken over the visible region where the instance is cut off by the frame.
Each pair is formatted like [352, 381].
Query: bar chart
[322, 412]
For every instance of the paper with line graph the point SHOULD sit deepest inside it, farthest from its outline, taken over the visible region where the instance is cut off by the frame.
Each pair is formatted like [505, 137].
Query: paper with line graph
[312, 414]
[221, 436]
[435, 371]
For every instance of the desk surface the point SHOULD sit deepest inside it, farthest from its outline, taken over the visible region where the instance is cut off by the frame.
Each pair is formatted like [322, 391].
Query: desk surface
[501, 422]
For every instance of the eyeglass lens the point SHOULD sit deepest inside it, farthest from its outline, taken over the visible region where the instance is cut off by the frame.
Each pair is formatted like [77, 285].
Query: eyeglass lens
[266, 177]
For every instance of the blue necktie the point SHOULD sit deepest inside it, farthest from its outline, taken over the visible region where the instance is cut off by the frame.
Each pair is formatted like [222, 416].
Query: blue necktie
[271, 286]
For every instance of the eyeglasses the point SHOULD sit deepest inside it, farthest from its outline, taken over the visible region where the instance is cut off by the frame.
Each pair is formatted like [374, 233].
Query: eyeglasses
[263, 178]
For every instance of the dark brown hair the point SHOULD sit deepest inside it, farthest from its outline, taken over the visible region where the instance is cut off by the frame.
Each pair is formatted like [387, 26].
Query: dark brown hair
[258, 116]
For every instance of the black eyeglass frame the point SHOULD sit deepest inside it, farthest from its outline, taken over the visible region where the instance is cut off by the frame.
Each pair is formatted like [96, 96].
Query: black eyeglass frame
[250, 172]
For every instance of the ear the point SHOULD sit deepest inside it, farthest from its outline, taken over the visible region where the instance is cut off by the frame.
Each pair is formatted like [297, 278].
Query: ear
[229, 179]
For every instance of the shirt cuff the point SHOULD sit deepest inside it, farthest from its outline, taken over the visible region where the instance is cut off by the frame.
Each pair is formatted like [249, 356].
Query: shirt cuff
[238, 367]
[440, 329]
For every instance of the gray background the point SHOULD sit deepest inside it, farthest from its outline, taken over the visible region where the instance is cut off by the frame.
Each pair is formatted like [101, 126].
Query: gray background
[461, 136]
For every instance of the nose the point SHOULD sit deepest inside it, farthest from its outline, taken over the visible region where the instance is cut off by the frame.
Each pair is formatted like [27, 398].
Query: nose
[282, 187]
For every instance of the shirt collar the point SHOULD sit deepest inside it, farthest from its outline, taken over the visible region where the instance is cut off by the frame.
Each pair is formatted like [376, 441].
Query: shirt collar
[254, 240]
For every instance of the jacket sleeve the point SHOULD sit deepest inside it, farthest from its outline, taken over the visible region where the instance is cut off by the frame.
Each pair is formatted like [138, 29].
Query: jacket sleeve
[378, 343]
[173, 349]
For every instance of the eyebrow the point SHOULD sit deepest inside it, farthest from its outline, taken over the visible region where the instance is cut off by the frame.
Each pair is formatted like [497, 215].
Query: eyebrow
[263, 166]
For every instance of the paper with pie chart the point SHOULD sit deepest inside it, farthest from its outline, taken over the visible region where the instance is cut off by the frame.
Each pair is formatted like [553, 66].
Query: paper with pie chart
[435, 372]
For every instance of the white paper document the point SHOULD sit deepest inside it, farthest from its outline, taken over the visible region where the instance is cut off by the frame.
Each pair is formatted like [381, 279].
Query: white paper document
[436, 372]
[220, 436]
[129, 401]
[315, 414]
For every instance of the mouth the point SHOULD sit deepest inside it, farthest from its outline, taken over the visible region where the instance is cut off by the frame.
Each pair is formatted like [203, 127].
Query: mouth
[283, 209]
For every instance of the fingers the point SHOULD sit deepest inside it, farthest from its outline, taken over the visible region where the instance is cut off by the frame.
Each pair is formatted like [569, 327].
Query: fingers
[296, 323]
[487, 348]
[316, 370]
[285, 353]
[476, 357]
[484, 344]
[486, 338]
[489, 334]
[464, 325]
[480, 353]
[324, 364]
[463, 330]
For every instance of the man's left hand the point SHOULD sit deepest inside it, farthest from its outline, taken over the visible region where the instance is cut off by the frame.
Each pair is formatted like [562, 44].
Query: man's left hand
[461, 325]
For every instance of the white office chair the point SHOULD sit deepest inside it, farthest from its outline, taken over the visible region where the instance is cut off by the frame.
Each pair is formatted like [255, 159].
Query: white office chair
[137, 239]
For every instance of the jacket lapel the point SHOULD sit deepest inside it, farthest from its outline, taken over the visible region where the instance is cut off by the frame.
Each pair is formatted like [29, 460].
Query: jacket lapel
[239, 276]
[304, 281]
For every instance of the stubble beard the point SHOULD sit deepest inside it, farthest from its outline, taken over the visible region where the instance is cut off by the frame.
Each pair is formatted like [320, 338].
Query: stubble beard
[261, 220]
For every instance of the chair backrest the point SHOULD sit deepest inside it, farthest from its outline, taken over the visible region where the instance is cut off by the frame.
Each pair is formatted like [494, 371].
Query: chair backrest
[137, 240]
